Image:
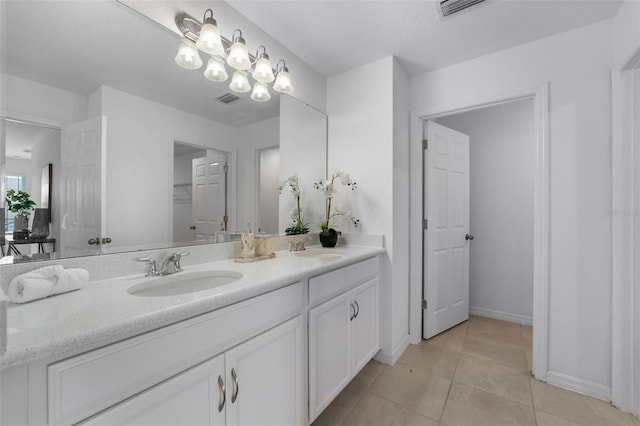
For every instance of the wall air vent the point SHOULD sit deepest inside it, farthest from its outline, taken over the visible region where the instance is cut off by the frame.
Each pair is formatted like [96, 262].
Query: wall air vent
[227, 98]
[449, 7]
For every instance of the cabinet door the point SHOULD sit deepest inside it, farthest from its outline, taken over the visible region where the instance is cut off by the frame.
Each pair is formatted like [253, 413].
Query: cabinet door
[265, 378]
[365, 326]
[329, 351]
[190, 398]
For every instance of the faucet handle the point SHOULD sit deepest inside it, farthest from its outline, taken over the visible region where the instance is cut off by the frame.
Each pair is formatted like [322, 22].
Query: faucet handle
[153, 270]
[176, 259]
[292, 245]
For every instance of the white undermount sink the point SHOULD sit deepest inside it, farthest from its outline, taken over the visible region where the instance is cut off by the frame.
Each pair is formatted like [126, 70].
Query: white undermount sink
[183, 283]
[321, 253]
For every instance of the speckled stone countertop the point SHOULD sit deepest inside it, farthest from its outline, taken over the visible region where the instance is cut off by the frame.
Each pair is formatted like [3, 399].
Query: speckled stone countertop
[103, 312]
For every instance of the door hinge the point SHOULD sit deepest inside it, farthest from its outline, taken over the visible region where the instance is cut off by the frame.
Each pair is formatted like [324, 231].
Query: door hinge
[424, 304]
[424, 223]
[424, 144]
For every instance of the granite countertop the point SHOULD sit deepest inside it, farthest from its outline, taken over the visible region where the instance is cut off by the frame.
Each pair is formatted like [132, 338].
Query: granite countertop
[103, 312]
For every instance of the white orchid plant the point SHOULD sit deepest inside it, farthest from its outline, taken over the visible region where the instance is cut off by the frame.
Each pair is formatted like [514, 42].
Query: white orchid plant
[298, 226]
[328, 187]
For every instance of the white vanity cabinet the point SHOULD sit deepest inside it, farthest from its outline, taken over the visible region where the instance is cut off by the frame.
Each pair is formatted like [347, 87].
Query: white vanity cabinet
[256, 382]
[343, 330]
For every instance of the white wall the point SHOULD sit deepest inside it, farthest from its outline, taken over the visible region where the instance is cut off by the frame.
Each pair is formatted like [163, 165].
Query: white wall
[303, 144]
[576, 64]
[268, 197]
[502, 160]
[31, 101]
[626, 33]
[368, 139]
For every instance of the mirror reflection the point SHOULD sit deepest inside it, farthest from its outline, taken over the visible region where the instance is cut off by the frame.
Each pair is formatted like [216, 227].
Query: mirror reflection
[143, 153]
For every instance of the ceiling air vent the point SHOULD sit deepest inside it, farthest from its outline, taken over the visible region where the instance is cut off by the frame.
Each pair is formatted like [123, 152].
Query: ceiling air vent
[449, 7]
[227, 98]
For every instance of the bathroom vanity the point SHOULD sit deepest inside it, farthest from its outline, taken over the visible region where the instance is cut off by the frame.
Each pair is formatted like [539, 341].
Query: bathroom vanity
[273, 347]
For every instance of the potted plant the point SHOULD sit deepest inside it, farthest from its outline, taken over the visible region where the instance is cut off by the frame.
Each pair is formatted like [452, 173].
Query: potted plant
[328, 235]
[20, 202]
[298, 226]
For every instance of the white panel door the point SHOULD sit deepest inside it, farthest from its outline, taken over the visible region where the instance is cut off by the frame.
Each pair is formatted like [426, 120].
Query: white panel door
[265, 378]
[195, 397]
[329, 351]
[365, 324]
[82, 161]
[446, 210]
[208, 195]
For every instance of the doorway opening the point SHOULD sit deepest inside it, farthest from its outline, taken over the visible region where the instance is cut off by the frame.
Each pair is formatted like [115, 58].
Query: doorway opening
[540, 249]
[478, 192]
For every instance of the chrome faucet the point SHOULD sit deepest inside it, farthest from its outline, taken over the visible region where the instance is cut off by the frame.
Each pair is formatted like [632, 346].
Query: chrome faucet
[170, 265]
[298, 245]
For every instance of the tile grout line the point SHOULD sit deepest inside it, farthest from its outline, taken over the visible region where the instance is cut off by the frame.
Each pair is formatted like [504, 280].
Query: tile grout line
[362, 396]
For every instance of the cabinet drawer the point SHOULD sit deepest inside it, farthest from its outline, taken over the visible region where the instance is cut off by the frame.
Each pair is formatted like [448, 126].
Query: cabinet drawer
[336, 282]
[83, 385]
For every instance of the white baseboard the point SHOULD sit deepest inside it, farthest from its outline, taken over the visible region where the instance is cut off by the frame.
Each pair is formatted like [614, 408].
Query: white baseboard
[391, 358]
[499, 315]
[578, 385]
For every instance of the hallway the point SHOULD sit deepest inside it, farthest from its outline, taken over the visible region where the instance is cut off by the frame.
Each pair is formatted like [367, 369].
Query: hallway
[477, 373]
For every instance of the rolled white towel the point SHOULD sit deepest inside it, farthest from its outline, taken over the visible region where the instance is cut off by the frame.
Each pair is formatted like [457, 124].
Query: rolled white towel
[45, 282]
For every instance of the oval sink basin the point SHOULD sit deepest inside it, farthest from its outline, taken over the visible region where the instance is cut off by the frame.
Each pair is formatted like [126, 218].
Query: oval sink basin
[321, 253]
[183, 282]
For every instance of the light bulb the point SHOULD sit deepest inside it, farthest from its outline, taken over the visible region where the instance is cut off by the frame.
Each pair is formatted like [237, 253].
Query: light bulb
[240, 82]
[263, 71]
[215, 70]
[209, 40]
[283, 81]
[239, 55]
[188, 56]
[260, 92]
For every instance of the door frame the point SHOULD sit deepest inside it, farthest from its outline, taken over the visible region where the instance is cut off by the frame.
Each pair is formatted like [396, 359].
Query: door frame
[625, 237]
[540, 97]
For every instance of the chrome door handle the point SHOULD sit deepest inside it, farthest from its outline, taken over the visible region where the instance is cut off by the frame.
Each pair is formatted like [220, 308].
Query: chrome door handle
[223, 395]
[357, 308]
[94, 242]
[468, 237]
[353, 311]
[236, 386]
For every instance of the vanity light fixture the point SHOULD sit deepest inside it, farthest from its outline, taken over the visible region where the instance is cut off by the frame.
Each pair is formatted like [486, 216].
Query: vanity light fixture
[240, 82]
[206, 37]
[260, 92]
[283, 80]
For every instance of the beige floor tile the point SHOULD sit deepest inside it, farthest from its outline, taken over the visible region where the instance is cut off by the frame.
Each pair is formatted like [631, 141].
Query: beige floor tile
[431, 358]
[504, 353]
[562, 403]
[414, 389]
[450, 339]
[369, 372]
[499, 331]
[461, 328]
[495, 378]
[336, 412]
[529, 357]
[546, 419]
[609, 414]
[468, 406]
[373, 410]
[527, 331]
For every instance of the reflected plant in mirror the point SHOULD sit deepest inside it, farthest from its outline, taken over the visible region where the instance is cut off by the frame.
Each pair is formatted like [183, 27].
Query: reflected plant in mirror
[298, 227]
[20, 202]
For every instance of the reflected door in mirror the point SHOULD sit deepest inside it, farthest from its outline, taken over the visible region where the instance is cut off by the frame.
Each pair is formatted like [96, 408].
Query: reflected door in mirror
[209, 195]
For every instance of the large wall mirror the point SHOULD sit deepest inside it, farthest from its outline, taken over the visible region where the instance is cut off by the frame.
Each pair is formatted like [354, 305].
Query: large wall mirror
[143, 153]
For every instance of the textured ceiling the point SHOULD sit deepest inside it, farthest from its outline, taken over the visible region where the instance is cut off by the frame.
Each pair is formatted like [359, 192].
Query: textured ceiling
[336, 36]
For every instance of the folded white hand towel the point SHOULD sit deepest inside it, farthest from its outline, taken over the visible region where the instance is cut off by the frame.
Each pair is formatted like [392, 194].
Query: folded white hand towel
[44, 282]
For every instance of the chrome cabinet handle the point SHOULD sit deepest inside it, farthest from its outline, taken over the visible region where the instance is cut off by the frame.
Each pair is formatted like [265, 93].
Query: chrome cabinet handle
[468, 237]
[353, 311]
[236, 386]
[223, 394]
[358, 308]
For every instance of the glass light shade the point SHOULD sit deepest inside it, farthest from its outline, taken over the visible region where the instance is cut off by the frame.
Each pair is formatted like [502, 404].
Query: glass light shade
[216, 70]
[188, 56]
[240, 82]
[283, 82]
[263, 71]
[239, 56]
[260, 92]
[209, 40]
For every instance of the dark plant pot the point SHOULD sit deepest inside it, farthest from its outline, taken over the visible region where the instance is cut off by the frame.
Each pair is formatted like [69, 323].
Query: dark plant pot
[21, 235]
[329, 240]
